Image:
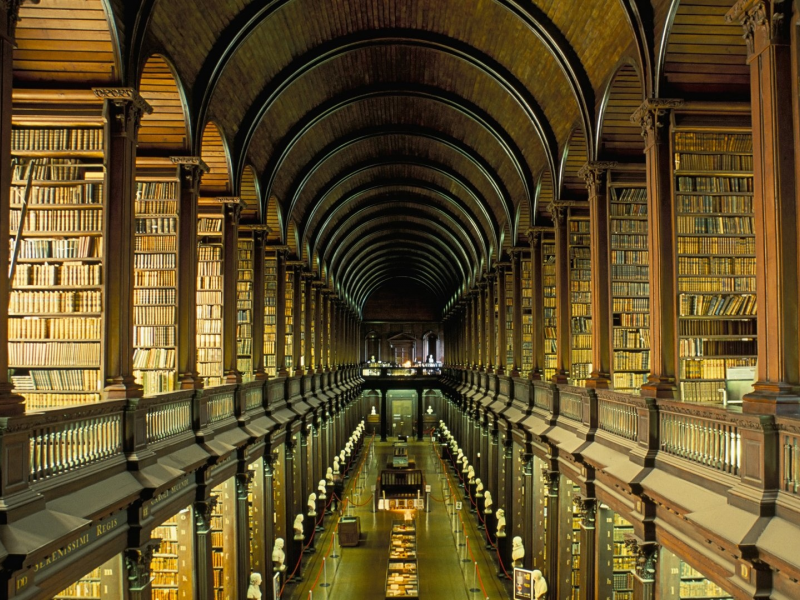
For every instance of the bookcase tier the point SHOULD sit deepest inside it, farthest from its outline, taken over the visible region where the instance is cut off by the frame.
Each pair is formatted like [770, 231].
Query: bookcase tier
[580, 265]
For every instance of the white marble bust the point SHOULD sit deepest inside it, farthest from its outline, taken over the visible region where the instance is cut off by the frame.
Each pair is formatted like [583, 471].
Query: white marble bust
[517, 551]
[298, 527]
[329, 474]
[478, 487]
[254, 591]
[430, 410]
[373, 411]
[471, 474]
[501, 523]
[321, 488]
[312, 504]
[278, 556]
[487, 501]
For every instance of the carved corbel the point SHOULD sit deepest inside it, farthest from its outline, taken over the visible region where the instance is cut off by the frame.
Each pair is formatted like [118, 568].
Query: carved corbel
[652, 116]
[646, 554]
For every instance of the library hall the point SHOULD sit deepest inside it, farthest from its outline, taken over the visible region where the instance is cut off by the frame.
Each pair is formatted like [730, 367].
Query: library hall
[400, 299]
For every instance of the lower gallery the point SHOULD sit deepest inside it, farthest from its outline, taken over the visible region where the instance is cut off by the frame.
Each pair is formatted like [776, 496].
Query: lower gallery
[400, 299]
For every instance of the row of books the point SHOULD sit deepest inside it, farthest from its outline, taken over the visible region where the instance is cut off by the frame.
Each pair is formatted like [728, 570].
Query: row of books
[628, 381]
[730, 246]
[45, 400]
[629, 305]
[634, 320]
[630, 257]
[210, 268]
[59, 274]
[716, 304]
[55, 354]
[717, 225]
[151, 279]
[701, 327]
[628, 210]
[68, 380]
[156, 225]
[155, 382]
[154, 296]
[73, 247]
[52, 169]
[631, 272]
[717, 284]
[630, 195]
[209, 326]
[631, 338]
[714, 204]
[156, 191]
[146, 336]
[629, 241]
[209, 225]
[27, 303]
[628, 288]
[154, 315]
[63, 138]
[206, 252]
[712, 368]
[691, 141]
[153, 358]
[84, 193]
[154, 261]
[208, 340]
[631, 361]
[633, 226]
[209, 297]
[57, 221]
[699, 347]
[581, 369]
[713, 162]
[160, 243]
[209, 283]
[55, 329]
[716, 265]
[208, 311]
[714, 184]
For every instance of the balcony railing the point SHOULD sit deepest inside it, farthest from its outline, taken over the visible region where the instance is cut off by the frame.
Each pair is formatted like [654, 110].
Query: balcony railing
[420, 371]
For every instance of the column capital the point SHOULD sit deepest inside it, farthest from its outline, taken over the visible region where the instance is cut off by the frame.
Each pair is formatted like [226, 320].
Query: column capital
[130, 105]
[594, 173]
[586, 509]
[765, 23]
[646, 554]
[652, 115]
[556, 210]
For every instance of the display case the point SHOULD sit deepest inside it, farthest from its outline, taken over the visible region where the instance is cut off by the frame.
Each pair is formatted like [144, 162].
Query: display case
[401, 574]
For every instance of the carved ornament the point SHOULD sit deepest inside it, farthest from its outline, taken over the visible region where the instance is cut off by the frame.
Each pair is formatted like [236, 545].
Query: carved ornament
[764, 22]
[652, 115]
[131, 104]
[594, 173]
[646, 554]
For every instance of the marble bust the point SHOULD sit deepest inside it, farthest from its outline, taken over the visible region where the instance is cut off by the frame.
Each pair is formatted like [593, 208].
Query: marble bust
[298, 527]
[278, 556]
[501, 522]
[517, 551]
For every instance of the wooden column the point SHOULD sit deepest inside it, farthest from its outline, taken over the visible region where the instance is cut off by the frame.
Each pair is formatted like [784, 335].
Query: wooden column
[319, 309]
[324, 340]
[535, 237]
[269, 523]
[480, 324]
[203, 569]
[10, 403]
[138, 583]
[280, 313]
[335, 332]
[562, 294]
[595, 174]
[123, 109]
[769, 54]
[587, 508]
[242, 527]
[297, 315]
[232, 206]
[259, 243]
[500, 351]
[190, 170]
[308, 318]
[469, 333]
[653, 115]
[516, 331]
[490, 321]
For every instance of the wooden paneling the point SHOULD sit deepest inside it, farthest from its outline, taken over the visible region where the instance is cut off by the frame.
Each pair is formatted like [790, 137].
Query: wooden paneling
[523, 221]
[545, 192]
[251, 212]
[163, 131]
[705, 55]
[619, 138]
[63, 43]
[273, 221]
[217, 181]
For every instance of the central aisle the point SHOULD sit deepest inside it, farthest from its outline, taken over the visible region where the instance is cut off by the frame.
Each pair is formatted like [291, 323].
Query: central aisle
[362, 569]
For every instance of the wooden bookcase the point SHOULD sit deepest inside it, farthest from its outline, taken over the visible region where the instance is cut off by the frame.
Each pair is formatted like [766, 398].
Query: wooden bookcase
[680, 581]
[155, 279]
[716, 268]
[244, 304]
[223, 540]
[57, 292]
[172, 564]
[549, 307]
[210, 278]
[103, 582]
[526, 288]
[255, 516]
[580, 272]
[616, 563]
[270, 312]
[630, 287]
[289, 317]
[299, 321]
[312, 326]
[507, 353]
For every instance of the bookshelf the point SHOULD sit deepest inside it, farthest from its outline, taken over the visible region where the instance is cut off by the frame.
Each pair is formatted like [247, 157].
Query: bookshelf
[575, 551]
[300, 315]
[716, 260]
[155, 284]
[312, 327]
[624, 561]
[526, 288]
[172, 562]
[549, 307]
[57, 294]
[580, 272]
[103, 582]
[223, 540]
[255, 515]
[680, 581]
[630, 287]
[289, 318]
[270, 313]
[507, 353]
[209, 298]
[244, 304]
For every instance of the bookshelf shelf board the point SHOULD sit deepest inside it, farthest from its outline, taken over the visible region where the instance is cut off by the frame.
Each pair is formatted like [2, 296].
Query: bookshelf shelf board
[59, 153]
[680, 193]
[49, 314]
[84, 206]
[58, 287]
[716, 317]
[703, 172]
[61, 234]
[92, 259]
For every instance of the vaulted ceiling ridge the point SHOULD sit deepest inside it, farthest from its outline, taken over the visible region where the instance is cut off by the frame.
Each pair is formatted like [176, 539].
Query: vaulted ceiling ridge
[408, 239]
[398, 261]
[362, 194]
[379, 275]
[351, 171]
[350, 225]
[463, 106]
[388, 206]
[381, 278]
[425, 252]
[442, 236]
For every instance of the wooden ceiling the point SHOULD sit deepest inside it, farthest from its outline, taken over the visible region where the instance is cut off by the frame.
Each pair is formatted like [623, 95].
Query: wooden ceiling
[363, 132]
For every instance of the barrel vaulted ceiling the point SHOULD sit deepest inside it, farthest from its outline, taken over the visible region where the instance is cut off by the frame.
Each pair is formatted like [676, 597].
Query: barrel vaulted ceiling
[385, 139]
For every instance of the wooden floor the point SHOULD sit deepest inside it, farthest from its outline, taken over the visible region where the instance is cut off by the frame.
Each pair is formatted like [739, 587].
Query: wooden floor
[361, 571]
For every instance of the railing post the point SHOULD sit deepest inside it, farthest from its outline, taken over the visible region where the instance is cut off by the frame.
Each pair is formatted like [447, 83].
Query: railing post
[648, 439]
[15, 474]
[759, 471]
